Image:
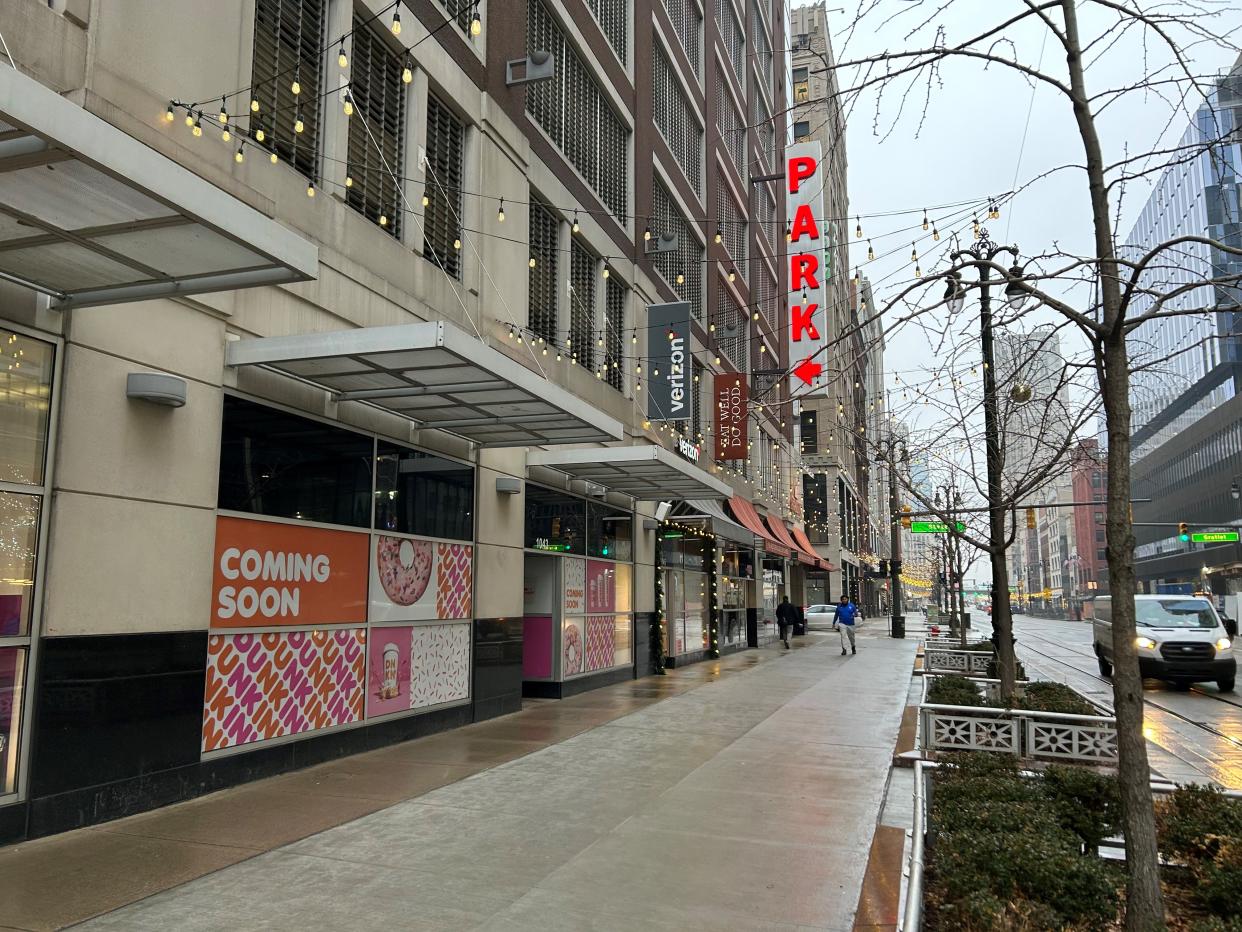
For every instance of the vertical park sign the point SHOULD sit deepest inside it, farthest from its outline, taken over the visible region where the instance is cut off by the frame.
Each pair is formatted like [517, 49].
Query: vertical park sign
[808, 318]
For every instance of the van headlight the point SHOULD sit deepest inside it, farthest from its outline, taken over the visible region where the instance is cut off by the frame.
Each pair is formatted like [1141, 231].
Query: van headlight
[1145, 643]
[1224, 644]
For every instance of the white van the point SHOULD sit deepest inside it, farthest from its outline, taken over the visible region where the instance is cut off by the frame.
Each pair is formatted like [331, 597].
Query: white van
[1180, 639]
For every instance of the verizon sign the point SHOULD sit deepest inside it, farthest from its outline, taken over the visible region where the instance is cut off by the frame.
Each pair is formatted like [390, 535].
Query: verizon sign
[669, 395]
[808, 317]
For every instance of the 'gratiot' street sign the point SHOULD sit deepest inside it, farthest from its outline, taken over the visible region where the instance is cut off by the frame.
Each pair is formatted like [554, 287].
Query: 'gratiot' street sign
[937, 527]
[1214, 537]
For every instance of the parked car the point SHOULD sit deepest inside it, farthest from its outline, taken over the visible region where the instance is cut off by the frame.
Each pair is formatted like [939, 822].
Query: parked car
[1180, 640]
[819, 616]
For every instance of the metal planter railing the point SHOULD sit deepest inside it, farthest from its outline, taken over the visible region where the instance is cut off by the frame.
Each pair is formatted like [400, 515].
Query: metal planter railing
[1082, 739]
[955, 660]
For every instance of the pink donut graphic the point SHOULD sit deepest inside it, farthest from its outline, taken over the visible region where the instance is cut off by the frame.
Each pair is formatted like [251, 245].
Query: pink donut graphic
[573, 650]
[404, 568]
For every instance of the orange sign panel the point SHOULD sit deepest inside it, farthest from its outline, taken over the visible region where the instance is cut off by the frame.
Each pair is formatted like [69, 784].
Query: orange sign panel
[283, 574]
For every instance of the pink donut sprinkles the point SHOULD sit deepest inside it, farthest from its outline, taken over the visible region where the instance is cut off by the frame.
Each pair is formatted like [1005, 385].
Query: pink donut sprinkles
[404, 568]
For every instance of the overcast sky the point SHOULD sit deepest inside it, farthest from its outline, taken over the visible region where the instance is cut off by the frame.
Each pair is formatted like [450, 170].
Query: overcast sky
[974, 138]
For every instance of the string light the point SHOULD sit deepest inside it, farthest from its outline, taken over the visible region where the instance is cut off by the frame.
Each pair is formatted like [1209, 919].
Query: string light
[298, 125]
[870, 252]
[647, 235]
[224, 114]
[310, 189]
[349, 181]
[924, 221]
[858, 228]
[732, 274]
[532, 262]
[240, 156]
[476, 24]
[225, 134]
[198, 125]
[396, 21]
[341, 58]
[296, 86]
[935, 233]
[259, 135]
[407, 73]
[189, 118]
[348, 105]
[170, 114]
[500, 211]
[383, 220]
[254, 105]
[719, 236]
[273, 157]
[575, 228]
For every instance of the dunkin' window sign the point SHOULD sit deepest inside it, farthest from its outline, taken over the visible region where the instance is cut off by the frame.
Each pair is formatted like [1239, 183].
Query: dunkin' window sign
[285, 574]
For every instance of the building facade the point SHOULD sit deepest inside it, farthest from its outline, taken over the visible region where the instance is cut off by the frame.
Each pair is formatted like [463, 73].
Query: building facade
[332, 410]
[838, 478]
[1185, 424]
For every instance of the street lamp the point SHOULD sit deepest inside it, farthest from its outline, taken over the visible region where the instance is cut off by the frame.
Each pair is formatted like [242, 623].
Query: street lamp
[982, 256]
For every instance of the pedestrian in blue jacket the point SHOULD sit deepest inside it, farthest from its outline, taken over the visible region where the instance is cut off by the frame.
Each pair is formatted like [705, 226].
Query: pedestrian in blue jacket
[843, 620]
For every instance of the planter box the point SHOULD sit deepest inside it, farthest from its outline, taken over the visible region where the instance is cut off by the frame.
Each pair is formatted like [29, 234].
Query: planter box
[955, 660]
[1055, 736]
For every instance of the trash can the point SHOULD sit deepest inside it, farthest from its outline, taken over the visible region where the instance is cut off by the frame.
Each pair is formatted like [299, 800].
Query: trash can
[897, 626]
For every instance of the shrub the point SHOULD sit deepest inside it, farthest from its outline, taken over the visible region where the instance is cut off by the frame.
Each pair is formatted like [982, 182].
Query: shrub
[1216, 924]
[1192, 819]
[952, 689]
[1220, 879]
[1086, 802]
[1038, 867]
[1042, 696]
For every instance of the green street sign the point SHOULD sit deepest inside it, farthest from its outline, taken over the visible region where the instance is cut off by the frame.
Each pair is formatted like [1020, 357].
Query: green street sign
[939, 527]
[1214, 537]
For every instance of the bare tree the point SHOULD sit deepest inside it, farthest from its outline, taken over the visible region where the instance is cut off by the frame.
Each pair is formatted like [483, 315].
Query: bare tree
[1125, 291]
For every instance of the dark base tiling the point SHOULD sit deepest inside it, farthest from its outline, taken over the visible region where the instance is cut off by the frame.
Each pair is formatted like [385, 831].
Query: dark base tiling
[92, 805]
[540, 689]
[682, 660]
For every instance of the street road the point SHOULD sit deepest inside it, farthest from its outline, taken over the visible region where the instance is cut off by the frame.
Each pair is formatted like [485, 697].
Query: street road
[1193, 736]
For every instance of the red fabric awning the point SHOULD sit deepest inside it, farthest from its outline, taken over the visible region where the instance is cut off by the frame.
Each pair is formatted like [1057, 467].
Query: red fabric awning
[781, 533]
[746, 515]
[805, 545]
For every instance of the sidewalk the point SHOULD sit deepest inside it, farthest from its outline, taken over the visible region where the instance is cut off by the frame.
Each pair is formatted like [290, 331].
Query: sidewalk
[738, 794]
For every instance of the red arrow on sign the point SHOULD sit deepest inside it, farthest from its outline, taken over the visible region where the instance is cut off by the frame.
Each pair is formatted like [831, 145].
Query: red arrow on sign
[807, 371]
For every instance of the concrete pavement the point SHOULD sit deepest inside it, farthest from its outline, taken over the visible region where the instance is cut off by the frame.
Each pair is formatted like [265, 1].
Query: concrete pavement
[744, 798]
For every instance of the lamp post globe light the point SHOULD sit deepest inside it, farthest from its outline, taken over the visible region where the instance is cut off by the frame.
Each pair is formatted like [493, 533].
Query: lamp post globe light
[982, 256]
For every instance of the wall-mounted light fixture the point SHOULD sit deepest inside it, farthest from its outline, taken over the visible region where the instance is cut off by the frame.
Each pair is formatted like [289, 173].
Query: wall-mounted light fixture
[538, 66]
[156, 387]
[508, 485]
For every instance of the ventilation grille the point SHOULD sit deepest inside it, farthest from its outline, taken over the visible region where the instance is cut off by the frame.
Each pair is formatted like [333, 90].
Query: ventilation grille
[582, 271]
[688, 24]
[613, 17]
[732, 129]
[732, 224]
[288, 45]
[614, 336]
[687, 259]
[676, 120]
[734, 37]
[441, 217]
[572, 110]
[732, 331]
[543, 293]
[376, 130]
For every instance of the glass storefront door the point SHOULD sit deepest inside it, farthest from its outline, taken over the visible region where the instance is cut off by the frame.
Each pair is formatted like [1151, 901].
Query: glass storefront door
[26, 377]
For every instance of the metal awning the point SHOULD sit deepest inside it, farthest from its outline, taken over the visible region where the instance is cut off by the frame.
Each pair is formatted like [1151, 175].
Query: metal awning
[90, 215]
[647, 472]
[805, 545]
[438, 376]
[745, 513]
[721, 524]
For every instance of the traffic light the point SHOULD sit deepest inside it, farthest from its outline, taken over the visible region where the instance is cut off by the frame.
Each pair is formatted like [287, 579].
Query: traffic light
[1183, 531]
[883, 568]
[1030, 519]
[905, 515]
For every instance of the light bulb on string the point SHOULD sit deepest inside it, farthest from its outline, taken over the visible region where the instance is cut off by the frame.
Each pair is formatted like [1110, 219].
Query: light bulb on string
[296, 87]
[647, 235]
[349, 181]
[500, 211]
[858, 228]
[870, 252]
[341, 58]
[254, 105]
[189, 118]
[298, 125]
[259, 135]
[457, 244]
[224, 113]
[170, 114]
[396, 21]
[310, 189]
[532, 263]
[935, 233]
[575, 228]
[348, 105]
[925, 223]
[273, 157]
[240, 155]
[476, 24]
[198, 125]
[225, 135]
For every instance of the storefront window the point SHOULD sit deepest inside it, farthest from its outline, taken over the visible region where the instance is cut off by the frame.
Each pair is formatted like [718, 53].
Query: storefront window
[610, 532]
[418, 493]
[284, 466]
[25, 394]
[19, 530]
[555, 521]
[12, 669]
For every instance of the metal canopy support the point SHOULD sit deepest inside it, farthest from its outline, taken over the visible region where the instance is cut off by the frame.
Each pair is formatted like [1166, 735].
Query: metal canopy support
[646, 472]
[90, 215]
[438, 376]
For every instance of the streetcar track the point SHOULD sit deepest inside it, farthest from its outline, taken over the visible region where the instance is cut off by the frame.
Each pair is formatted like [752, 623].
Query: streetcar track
[1155, 705]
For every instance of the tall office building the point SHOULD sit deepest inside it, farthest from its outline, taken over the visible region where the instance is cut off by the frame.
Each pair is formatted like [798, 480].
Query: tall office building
[1187, 407]
[839, 472]
[325, 367]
